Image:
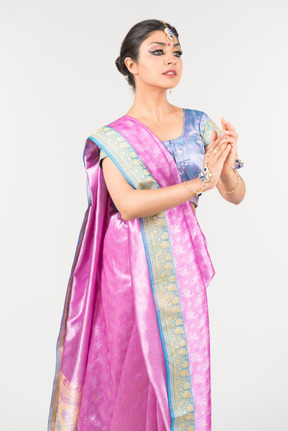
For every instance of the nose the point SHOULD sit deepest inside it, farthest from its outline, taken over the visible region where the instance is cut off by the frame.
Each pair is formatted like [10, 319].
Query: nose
[171, 59]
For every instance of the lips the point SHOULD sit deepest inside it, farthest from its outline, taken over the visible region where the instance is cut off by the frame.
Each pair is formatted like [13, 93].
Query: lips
[170, 72]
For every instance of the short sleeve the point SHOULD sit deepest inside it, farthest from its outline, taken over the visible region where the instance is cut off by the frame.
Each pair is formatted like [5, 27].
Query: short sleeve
[102, 156]
[206, 128]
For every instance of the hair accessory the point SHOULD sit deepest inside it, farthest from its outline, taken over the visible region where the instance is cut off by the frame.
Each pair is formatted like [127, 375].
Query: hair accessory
[238, 163]
[205, 175]
[169, 33]
[235, 187]
[199, 193]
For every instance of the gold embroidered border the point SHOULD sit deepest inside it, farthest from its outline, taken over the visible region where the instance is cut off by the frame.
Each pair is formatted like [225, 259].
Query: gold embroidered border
[127, 158]
[169, 308]
[165, 287]
[58, 375]
[68, 405]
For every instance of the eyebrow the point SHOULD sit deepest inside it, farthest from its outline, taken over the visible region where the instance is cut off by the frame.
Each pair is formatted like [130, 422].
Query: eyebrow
[164, 44]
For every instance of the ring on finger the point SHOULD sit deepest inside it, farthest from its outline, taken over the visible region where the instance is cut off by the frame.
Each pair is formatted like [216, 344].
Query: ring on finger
[214, 151]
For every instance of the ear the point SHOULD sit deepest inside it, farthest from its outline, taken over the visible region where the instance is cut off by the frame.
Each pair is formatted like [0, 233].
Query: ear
[131, 65]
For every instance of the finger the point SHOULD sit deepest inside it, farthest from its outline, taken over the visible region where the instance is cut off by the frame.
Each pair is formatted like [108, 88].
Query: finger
[220, 138]
[213, 142]
[232, 141]
[220, 150]
[229, 133]
[216, 145]
[228, 126]
[214, 136]
[226, 140]
[224, 153]
[217, 152]
[223, 139]
[223, 123]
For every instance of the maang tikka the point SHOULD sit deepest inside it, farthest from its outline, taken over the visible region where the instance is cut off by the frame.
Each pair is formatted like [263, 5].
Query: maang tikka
[169, 33]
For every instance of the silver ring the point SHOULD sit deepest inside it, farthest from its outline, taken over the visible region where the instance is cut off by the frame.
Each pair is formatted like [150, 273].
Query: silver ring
[214, 151]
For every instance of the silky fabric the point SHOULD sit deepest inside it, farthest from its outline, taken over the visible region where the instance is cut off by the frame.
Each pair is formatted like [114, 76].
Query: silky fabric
[123, 330]
[188, 149]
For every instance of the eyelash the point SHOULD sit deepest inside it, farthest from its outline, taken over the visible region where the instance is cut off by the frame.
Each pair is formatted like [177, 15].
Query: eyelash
[161, 50]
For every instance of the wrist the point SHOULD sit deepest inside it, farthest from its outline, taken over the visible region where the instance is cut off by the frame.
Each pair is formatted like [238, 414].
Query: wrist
[222, 182]
[227, 171]
[195, 186]
[227, 174]
[198, 184]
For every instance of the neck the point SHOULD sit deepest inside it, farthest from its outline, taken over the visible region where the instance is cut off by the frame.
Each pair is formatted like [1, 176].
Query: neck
[150, 103]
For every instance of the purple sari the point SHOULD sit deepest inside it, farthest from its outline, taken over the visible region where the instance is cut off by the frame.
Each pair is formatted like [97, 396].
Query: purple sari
[133, 348]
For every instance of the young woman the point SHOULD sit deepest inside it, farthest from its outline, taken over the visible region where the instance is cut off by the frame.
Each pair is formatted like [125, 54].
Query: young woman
[133, 348]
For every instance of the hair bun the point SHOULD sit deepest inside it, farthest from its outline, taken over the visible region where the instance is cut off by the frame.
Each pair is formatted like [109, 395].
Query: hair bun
[121, 66]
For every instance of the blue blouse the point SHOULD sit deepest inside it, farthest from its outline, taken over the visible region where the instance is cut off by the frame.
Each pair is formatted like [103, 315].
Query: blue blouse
[188, 149]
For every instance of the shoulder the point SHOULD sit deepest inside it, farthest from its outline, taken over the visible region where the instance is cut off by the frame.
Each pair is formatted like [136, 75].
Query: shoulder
[196, 114]
[203, 120]
[196, 118]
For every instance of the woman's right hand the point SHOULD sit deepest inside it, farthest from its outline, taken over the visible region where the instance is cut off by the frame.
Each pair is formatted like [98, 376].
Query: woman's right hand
[216, 159]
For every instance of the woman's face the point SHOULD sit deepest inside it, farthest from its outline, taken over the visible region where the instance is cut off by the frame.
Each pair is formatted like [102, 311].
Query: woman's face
[156, 57]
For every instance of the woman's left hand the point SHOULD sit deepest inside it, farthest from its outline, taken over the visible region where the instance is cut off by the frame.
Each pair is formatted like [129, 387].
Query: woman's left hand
[232, 138]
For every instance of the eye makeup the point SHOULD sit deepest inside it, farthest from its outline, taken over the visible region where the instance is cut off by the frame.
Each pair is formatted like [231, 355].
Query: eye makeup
[156, 52]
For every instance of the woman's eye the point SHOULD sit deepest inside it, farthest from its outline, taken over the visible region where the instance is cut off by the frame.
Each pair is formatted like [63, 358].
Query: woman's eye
[157, 52]
[161, 52]
[178, 53]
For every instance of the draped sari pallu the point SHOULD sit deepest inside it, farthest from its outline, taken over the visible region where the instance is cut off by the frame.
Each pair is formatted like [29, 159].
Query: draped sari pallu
[133, 350]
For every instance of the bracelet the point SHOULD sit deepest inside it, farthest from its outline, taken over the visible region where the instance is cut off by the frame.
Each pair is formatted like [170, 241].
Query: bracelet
[236, 185]
[199, 193]
[238, 163]
[206, 175]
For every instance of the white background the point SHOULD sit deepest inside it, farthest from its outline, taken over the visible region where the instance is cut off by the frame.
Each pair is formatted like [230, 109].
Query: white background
[58, 84]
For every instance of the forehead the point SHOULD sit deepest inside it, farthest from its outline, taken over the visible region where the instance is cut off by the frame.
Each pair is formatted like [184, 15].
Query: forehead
[159, 36]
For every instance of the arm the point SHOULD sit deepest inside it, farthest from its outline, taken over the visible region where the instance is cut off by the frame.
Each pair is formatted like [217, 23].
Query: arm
[229, 180]
[228, 177]
[133, 203]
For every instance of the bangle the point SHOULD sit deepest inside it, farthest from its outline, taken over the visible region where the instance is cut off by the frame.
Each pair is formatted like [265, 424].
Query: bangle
[235, 187]
[199, 193]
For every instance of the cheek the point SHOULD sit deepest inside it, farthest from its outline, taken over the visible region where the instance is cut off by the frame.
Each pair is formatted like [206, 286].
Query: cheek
[149, 68]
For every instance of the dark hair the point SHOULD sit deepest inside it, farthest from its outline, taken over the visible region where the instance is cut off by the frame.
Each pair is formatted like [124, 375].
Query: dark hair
[131, 44]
